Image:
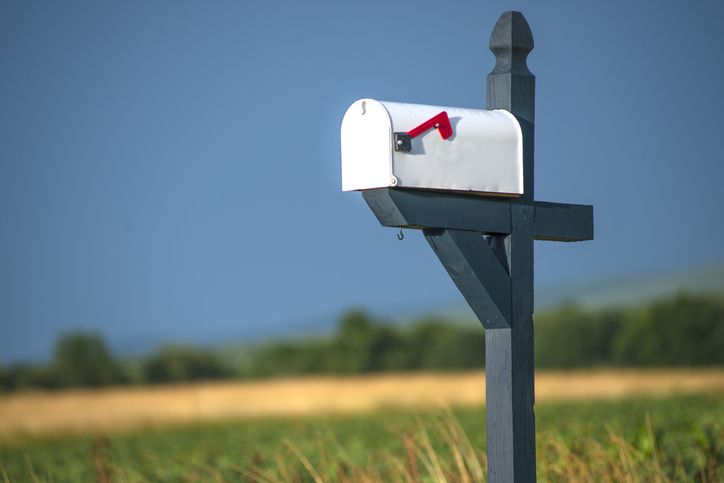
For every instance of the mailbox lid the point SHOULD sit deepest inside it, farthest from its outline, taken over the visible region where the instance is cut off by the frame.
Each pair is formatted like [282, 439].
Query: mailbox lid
[484, 153]
[366, 137]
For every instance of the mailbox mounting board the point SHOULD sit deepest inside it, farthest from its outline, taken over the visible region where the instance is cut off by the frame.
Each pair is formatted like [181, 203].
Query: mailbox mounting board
[484, 153]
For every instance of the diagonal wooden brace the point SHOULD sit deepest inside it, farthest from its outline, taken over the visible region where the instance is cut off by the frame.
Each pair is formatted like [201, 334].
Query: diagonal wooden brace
[477, 272]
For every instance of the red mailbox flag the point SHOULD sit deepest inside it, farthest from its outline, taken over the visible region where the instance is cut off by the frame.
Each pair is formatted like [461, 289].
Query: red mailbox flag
[440, 121]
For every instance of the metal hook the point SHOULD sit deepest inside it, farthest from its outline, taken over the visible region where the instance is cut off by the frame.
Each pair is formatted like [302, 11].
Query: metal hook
[400, 236]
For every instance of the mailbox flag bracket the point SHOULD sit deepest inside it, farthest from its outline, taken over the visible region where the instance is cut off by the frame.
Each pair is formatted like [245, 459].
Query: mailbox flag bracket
[403, 142]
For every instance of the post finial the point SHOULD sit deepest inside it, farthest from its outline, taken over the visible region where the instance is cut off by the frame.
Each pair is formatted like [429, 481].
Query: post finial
[511, 41]
[511, 86]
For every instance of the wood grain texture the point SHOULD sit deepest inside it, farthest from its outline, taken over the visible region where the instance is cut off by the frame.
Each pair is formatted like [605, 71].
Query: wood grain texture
[477, 272]
[385, 209]
[509, 352]
[509, 366]
[500, 244]
[499, 405]
[522, 350]
[511, 86]
[408, 208]
[563, 222]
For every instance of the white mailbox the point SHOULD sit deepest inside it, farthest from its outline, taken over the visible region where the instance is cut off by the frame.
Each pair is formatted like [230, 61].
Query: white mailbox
[391, 144]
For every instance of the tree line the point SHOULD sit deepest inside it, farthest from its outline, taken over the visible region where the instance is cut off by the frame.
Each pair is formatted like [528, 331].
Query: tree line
[687, 330]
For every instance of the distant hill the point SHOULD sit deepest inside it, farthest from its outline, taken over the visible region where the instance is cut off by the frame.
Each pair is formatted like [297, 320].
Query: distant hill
[629, 291]
[612, 291]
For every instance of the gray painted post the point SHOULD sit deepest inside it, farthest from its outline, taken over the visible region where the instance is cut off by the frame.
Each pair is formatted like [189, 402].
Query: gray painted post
[509, 385]
[495, 274]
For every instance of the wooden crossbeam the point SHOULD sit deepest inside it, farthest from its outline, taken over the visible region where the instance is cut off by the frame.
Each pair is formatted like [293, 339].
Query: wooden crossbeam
[409, 208]
[563, 222]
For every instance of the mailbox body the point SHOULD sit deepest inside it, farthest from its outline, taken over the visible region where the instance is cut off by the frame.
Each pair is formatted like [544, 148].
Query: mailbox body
[484, 153]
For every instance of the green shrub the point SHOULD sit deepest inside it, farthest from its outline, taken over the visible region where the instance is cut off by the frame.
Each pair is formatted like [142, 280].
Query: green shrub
[82, 360]
[685, 331]
[571, 337]
[178, 364]
[362, 345]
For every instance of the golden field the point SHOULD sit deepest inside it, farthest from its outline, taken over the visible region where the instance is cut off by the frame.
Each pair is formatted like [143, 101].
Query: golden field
[128, 408]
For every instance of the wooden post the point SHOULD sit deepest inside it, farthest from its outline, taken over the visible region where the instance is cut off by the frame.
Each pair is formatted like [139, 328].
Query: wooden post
[509, 384]
[486, 246]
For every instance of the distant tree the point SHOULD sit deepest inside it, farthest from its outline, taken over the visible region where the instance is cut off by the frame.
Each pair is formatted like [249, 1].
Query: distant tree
[4, 381]
[684, 331]
[24, 376]
[571, 337]
[436, 344]
[362, 346]
[82, 359]
[349, 351]
[179, 364]
[37, 377]
[353, 324]
[287, 359]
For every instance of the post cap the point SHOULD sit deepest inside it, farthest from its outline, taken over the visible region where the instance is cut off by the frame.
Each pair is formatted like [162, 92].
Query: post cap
[511, 42]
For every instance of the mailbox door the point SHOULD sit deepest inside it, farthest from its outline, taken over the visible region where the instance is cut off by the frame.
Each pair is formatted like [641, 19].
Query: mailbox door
[366, 147]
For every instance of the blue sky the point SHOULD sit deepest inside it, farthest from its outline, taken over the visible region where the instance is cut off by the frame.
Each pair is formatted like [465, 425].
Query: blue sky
[172, 168]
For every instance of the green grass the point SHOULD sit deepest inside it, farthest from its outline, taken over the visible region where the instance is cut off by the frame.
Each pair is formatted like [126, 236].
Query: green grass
[687, 431]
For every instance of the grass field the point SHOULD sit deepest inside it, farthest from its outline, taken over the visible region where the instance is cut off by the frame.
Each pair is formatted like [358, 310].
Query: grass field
[122, 409]
[627, 426]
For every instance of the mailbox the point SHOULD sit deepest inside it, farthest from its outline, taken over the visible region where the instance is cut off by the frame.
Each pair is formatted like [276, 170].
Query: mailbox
[391, 144]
